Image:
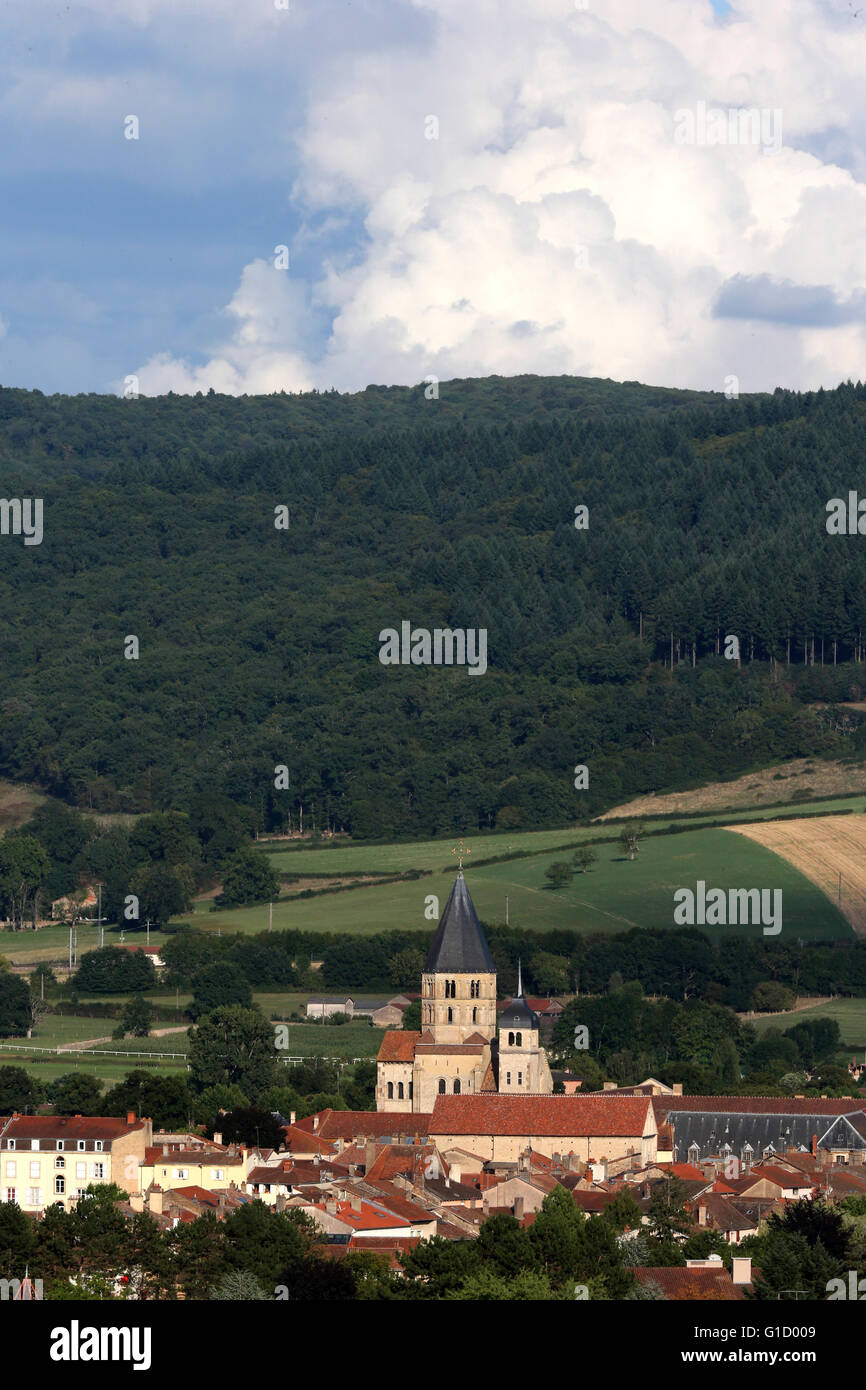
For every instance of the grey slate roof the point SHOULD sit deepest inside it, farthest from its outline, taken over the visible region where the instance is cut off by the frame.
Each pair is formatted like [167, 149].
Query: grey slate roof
[518, 1014]
[459, 945]
[711, 1132]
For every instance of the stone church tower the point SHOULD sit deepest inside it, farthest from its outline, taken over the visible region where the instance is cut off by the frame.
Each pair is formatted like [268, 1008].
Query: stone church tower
[523, 1066]
[458, 987]
[461, 1049]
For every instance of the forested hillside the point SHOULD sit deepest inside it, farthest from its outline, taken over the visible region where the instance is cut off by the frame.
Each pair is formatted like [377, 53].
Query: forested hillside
[260, 646]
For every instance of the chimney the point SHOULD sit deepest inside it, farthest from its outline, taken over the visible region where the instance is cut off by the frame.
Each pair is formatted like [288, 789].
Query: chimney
[610, 1085]
[155, 1200]
[702, 1217]
[130, 1117]
[165, 1150]
[339, 1144]
[355, 1201]
[331, 1208]
[369, 1154]
[518, 1208]
[217, 1138]
[741, 1269]
[292, 1116]
[677, 1088]
[315, 1123]
[814, 1146]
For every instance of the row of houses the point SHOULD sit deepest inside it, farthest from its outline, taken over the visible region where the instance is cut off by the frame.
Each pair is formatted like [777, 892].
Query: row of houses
[387, 1180]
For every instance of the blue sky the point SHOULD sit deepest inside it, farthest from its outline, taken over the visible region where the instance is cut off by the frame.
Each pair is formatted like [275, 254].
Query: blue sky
[552, 224]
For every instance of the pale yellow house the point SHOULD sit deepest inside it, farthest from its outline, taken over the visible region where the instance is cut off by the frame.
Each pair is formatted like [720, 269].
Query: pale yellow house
[49, 1160]
[213, 1166]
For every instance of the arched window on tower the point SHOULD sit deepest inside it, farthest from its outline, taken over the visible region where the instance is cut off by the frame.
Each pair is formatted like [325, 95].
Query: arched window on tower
[457, 1087]
[442, 1085]
[474, 1015]
[390, 1090]
[519, 1039]
[399, 1090]
[510, 1039]
[450, 1015]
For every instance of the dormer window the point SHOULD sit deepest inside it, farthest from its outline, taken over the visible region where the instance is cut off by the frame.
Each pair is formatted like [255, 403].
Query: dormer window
[60, 1143]
[82, 1144]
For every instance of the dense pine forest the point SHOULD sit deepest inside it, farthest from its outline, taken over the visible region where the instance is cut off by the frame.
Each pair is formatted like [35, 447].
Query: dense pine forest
[259, 646]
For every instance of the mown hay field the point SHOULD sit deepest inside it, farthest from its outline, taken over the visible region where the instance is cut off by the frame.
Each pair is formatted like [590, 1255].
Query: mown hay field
[830, 851]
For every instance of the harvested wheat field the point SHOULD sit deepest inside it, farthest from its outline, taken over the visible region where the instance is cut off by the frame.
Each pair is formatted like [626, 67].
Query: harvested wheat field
[826, 850]
[811, 778]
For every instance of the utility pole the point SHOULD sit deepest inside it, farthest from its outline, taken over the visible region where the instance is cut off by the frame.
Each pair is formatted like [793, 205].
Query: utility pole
[99, 919]
[147, 928]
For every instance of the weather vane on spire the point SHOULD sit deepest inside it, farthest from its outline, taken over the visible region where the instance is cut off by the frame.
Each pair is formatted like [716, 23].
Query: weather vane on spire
[460, 851]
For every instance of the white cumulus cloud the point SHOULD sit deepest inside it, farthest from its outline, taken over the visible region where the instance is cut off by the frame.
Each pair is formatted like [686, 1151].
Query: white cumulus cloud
[555, 224]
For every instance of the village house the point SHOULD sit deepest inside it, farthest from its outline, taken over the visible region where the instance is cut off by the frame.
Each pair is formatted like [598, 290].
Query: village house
[213, 1166]
[49, 1160]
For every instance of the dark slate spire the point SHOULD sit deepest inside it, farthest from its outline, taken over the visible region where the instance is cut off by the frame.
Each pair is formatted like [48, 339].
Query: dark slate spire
[459, 947]
[518, 1013]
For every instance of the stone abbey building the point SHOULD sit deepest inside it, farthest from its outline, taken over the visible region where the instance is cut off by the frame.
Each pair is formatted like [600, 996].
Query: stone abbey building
[462, 1048]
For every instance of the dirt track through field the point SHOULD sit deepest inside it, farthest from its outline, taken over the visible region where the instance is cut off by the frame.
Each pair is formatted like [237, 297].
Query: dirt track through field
[822, 849]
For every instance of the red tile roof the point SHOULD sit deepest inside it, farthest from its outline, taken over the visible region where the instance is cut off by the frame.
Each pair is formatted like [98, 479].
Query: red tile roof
[687, 1171]
[398, 1158]
[592, 1201]
[536, 1004]
[153, 1154]
[779, 1176]
[401, 1204]
[299, 1138]
[398, 1046]
[369, 1218]
[551, 1116]
[68, 1127]
[367, 1124]
[678, 1283]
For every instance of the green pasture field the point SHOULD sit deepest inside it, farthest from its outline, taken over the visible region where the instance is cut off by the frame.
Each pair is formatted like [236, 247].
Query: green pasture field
[333, 1040]
[850, 1014]
[109, 1070]
[437, 854]
[52, 943]
[614, 896]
